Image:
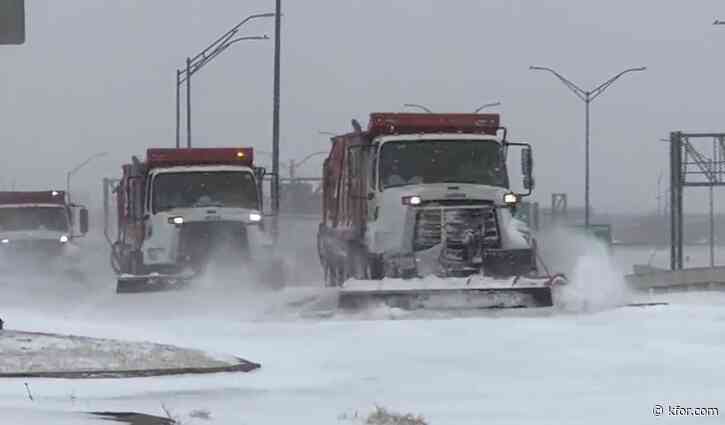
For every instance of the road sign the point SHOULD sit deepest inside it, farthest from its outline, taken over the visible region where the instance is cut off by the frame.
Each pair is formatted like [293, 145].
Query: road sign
[12, 21]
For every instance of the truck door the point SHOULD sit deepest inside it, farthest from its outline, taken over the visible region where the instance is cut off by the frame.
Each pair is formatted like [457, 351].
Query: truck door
[135, 198]
[372, 185]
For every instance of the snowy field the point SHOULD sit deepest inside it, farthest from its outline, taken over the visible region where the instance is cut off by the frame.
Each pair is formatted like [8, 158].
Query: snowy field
[587, 361]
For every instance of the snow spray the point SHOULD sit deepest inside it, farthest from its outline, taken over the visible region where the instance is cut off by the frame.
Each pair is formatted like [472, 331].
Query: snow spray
[595, 283]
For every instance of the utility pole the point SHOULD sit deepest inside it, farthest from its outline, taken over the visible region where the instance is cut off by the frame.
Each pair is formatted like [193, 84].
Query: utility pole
[188, 102]
[275, 119]
[178, 108]
[587, 96]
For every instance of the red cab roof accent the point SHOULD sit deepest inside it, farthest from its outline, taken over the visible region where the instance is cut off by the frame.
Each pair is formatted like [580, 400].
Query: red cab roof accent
[36, 197]
[166, 157]
[382, 123]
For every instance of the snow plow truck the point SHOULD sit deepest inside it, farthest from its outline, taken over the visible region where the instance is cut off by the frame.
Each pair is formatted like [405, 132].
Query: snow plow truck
[417, 213]
[39, 228]
[181, 210]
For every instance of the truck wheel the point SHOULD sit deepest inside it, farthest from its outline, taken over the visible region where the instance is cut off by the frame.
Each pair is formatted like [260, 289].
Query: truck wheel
[333, 276]
[136, 260]
[375, 267]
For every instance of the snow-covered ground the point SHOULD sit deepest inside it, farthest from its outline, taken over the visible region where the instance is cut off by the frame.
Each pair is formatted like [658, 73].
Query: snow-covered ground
[33, 352]
[585, 361]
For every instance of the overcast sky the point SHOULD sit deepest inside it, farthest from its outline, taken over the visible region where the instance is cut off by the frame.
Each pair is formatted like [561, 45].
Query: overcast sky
[98, 75]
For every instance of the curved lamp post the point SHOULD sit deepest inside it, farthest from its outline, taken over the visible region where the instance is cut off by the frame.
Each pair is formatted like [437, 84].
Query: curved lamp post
[587, 96]
[294, 164]
[78, 167]
[415, 105]
[487, 105]
[197, 62]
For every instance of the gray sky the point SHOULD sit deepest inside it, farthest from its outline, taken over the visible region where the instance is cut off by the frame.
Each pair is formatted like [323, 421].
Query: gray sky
[99, 76]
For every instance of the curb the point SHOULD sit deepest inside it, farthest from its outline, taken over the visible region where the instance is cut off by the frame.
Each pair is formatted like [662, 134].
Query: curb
[242, 366]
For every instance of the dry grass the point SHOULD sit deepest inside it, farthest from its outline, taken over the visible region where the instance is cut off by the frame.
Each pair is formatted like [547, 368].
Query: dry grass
[200, 414]
[381, 416]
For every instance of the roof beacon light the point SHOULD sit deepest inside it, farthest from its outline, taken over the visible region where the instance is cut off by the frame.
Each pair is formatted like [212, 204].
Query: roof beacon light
[54, 193]
[240, 154]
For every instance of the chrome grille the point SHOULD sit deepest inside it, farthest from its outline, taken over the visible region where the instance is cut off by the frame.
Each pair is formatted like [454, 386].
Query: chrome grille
[456, 227]
[41, 245]
[200, 240]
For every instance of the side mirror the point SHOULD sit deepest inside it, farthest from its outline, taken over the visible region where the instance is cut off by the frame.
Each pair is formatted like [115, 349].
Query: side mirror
[527, 168]
[83, 221]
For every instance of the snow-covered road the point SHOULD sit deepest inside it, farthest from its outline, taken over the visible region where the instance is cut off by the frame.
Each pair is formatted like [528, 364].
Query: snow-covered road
[546, 366]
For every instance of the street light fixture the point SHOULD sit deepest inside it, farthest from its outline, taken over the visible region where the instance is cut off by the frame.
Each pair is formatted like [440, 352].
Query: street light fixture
[587, 96]
[415, 105]
[197, 62]
[487, 105]
[78, 167]
[294, 164]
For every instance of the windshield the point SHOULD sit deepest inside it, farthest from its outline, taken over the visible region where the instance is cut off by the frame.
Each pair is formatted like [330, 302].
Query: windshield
[235, 189]
[442, 161]
[33, 218]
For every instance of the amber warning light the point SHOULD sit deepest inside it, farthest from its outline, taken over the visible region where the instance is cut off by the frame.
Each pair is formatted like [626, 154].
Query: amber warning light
[157, 157]
[402, 123]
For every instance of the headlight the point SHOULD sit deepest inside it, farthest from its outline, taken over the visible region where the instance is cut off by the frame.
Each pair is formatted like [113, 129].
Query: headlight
[255, 217]
[411, 200]
[64, 239]
[510, 199]
[176, 220]
[5, 241]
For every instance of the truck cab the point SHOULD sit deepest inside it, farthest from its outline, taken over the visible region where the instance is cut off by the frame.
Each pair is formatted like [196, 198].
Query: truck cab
[420, 194]
[183, 207]
[40, 225]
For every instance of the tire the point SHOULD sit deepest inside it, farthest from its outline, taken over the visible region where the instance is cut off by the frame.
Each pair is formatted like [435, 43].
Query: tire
[333, 276]
[376, 270]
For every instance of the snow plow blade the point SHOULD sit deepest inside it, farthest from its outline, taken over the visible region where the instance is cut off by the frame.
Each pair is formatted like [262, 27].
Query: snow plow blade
[127, 284]
[460, 294]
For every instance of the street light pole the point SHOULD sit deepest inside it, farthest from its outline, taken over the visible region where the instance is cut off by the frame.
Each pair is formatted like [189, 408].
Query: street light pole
[178, 108]
[78, 167]
[587, 96]
[275, 118]
[487, 105]
[415, 105]
[194, 64]
[188, 102]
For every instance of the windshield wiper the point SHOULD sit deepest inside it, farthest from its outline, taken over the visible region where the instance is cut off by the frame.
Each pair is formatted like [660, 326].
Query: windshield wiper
[208, 204]
[461, 181]
[399, 185]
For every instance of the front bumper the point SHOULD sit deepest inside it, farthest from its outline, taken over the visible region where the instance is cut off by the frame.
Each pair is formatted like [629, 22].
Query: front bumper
[34, 254]
[192, 245]
[496, 263]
